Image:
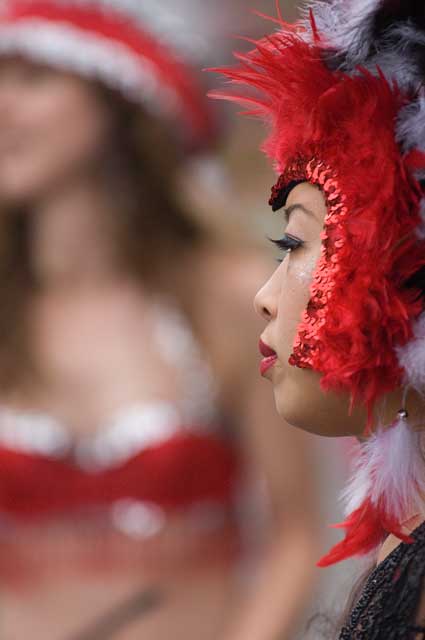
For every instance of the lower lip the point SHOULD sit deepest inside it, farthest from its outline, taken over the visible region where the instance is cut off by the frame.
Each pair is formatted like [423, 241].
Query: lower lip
[267, 364]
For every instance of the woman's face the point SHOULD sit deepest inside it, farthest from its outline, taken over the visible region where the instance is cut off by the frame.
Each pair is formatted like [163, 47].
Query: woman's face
[53, 127]
[298, 395]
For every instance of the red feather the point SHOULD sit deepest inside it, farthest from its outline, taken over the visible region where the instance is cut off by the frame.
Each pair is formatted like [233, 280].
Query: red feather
[366, 528]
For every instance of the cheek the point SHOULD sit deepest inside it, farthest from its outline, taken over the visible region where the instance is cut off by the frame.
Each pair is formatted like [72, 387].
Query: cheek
[69, 127]
[302, 403]
[58, 132]
[299, 397]
[294, 296]
[302, 272]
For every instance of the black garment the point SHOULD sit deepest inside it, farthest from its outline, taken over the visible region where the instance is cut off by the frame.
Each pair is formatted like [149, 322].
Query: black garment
[388, 606]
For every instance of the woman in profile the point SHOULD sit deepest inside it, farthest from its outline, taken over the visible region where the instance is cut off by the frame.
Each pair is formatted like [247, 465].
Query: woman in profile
[343, 91]
[128, 404]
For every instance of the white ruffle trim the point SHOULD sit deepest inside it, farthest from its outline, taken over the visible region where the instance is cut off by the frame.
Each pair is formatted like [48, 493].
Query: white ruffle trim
[190, 28]
[67, 47]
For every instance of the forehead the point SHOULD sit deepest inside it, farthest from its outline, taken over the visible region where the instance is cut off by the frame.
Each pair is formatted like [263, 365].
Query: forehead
[15, 67]
[12, 60]
[19, 63]
[310, 197]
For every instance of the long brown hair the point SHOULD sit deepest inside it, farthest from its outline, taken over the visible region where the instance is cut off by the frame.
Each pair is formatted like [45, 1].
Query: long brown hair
[327, 626]
[142, 158]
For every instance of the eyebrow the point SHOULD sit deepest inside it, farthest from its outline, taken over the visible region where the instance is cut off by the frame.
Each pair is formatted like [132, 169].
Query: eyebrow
[288, 210]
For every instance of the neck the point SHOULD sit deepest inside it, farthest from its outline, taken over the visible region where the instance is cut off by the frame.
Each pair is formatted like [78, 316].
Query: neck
[72, 237]
[412, 401]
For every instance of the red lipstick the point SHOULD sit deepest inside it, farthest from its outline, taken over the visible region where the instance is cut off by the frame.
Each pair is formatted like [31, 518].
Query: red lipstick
[270, 357]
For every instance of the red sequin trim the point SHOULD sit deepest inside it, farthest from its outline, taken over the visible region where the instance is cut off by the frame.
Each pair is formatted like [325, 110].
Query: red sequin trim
[333, 238]
[295, 171]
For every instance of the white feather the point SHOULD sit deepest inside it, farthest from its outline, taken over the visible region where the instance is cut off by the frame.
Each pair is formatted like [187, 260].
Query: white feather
[390, 471]
[411, 125]
[345, 24]
[359, 485]
[412, 356]
[346, 27]
[420, 231]
[395, 56]
[400, 69]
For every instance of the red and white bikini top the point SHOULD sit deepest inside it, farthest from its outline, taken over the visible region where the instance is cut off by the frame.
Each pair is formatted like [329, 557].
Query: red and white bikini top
[164, 454]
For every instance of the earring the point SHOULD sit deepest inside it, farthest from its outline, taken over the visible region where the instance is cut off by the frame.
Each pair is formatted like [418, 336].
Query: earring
[386, 489]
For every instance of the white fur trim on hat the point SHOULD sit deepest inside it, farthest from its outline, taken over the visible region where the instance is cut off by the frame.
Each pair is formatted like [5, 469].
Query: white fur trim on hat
[65, 46]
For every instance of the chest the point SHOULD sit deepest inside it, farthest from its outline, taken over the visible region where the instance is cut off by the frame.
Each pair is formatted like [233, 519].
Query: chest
[100, 353]
[83, 336]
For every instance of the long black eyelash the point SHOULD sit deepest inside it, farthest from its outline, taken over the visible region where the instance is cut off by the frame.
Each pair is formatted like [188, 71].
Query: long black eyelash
[287, 243]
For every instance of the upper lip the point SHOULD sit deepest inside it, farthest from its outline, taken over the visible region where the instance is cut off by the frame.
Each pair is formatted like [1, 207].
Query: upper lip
[265, 350]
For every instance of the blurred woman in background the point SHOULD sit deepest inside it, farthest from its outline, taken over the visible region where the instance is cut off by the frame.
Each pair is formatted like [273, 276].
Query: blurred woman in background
[129, 401]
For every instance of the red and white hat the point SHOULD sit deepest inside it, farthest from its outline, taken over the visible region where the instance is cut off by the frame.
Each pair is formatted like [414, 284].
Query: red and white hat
[112, 41]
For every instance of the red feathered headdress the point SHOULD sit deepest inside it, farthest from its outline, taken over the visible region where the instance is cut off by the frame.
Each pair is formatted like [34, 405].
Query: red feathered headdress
[342, 121]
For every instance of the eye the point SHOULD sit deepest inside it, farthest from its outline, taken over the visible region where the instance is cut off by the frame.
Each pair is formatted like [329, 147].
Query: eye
[287, 243]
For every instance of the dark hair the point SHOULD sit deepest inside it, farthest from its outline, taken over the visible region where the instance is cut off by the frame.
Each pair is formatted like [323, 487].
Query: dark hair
[329, 627]
[142, 160]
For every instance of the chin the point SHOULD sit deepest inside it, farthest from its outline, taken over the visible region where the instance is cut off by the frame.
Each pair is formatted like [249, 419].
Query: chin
[19, 193]
[308, 408]
[287, 409]
[24, 182]
[301, 402]
[15, 191]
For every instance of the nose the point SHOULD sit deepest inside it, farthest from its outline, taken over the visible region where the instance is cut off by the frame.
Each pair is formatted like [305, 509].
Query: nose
[265, 303]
